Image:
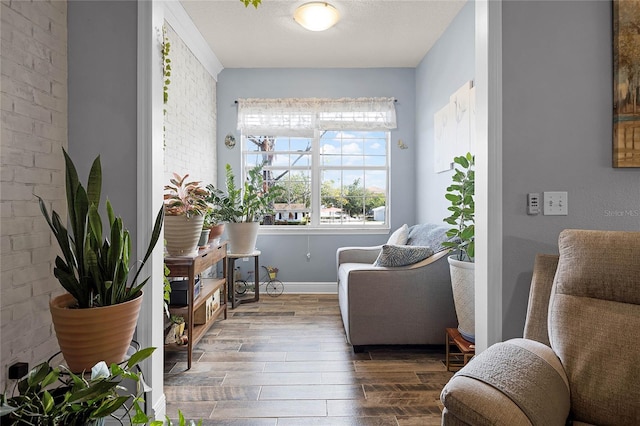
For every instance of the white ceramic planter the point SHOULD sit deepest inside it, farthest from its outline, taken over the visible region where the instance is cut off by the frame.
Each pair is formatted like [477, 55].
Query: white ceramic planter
[242, 237]
[182, 234]
[462, 284]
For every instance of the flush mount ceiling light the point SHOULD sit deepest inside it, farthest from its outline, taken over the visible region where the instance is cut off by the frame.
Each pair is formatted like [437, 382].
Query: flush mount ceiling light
[316, 16]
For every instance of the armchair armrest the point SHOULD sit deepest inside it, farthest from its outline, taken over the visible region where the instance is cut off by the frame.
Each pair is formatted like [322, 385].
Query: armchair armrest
[515, 382]
[357, 255]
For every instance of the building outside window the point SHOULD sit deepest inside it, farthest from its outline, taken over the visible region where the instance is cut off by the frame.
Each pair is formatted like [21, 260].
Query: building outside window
[330, 157]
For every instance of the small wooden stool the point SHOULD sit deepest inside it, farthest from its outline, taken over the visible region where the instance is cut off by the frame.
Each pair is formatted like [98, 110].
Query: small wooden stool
[466, 348]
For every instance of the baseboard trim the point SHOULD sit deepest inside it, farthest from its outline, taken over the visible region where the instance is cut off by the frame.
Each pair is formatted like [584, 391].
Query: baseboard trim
[297, 287]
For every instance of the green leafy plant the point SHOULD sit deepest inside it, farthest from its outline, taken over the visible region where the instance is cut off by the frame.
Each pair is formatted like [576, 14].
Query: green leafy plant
[94, 268]
[166, 65]
[185, 198]
[246, 204]
[460, 193]
[255, 3]
[50, 396]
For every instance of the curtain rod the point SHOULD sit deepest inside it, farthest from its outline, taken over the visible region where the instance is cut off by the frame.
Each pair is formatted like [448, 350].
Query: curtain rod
[235, 102]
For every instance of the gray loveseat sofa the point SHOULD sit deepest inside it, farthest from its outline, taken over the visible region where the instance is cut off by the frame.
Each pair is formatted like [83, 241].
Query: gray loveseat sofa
[400, 305]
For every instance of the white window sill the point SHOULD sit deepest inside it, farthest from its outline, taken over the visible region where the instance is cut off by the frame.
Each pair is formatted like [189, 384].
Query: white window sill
[305, 230]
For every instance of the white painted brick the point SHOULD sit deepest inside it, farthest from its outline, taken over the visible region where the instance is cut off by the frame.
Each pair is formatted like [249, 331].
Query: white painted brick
[59, 61]
[49, 347]
[5, 316]
[57, 178]
[5, 209]
[16, 191]
[24, 74]
[59, 90]
[33, 39]
[32, 110]
[17, 123]
[44, 36]
[17, 157]
[47, 100]
[28, 208]
[26, 43]
[16, 225]
[54, 161]
[36, 12]
[5, 244]
[49, 131]
[32, 175]
[30, 142]
[17, 55]
[6, 103]
[30, 241]
[45, 286]
[6, 174]
[19, 89]
[11, 18]
[19, 294]
[15, 260]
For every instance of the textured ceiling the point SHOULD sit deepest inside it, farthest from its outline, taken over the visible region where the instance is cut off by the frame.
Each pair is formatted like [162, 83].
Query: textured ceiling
[370, 33]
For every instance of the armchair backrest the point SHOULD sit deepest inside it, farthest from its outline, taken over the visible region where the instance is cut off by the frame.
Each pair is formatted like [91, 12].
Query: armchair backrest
[594, 323]
[536, 324]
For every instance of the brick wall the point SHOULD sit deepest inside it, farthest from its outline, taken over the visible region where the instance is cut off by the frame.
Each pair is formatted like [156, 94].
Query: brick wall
[190, 121]
[33, 94]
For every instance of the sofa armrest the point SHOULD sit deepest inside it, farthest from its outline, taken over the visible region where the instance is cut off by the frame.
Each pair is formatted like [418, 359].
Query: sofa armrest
[519, 381]
[357, 255]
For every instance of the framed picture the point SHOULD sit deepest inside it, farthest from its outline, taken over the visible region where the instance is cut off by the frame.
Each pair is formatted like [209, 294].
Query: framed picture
[626, 83]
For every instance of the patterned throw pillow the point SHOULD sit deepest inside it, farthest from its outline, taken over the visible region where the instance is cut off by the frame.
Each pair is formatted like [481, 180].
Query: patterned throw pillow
[392, 255]
[399, 236]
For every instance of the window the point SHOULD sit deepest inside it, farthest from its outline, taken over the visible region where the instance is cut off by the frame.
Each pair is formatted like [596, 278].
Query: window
[330, 157]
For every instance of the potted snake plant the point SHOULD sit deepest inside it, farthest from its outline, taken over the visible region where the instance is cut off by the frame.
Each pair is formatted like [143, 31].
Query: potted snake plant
[462, 241]
[242, 208]
[94, 268]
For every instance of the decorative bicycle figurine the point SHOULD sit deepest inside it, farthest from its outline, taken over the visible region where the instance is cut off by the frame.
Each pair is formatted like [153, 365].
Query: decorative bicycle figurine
[273, 285]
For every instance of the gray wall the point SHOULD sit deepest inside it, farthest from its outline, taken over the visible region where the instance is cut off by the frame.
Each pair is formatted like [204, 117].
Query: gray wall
[447, 66]
[102, 53]
[557, 104]
[288, 251]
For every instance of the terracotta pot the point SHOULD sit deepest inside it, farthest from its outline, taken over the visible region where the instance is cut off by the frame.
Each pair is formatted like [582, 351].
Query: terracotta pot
[216, 232]
[182, 234]
[242, 237]
[463, 287]
[88, 336]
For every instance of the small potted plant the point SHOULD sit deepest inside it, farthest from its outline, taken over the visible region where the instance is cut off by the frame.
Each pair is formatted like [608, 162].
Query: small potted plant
[243, 208]
[462, 241]
[213, 223]
[184, 206]
[94, 268]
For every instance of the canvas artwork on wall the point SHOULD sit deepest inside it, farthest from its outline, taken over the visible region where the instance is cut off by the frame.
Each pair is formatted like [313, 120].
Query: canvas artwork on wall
[454, 127]
[626, 83]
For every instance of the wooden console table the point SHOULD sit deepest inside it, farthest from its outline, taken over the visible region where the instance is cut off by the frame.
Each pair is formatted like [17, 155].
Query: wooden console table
[466, 349]
[190, 267]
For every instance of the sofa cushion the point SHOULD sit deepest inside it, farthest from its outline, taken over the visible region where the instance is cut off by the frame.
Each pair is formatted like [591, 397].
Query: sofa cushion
[428, 235]
[399, 236]
[391, 255]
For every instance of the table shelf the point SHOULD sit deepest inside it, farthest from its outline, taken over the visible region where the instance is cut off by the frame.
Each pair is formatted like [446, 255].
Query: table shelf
[190, 267]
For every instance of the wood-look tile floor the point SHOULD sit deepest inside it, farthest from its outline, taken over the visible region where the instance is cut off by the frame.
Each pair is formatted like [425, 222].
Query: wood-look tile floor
[285, 361]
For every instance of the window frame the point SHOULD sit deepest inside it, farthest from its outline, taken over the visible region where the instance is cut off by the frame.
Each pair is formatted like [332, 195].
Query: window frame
[316, 227]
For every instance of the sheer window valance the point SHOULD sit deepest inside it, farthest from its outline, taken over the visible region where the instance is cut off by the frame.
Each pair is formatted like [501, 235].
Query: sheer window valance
[300, 117]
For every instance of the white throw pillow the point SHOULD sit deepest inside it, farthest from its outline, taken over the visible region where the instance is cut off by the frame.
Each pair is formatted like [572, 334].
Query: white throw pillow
[399, 236]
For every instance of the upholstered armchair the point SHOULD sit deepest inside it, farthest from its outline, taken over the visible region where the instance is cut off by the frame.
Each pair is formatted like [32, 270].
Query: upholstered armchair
[382, 304]
[578, 360]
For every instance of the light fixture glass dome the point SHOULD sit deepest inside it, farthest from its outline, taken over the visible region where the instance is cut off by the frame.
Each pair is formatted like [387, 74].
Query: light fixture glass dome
[316, 16]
